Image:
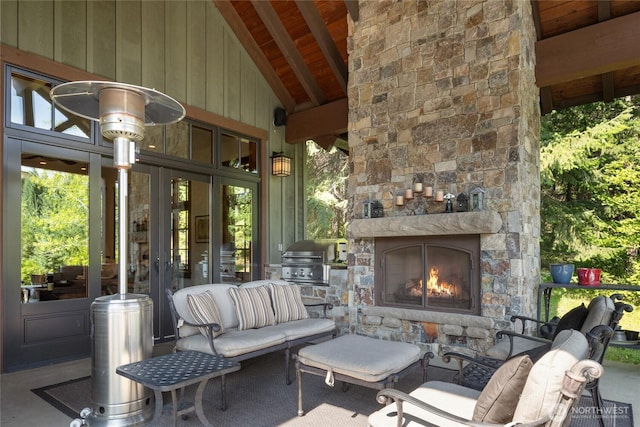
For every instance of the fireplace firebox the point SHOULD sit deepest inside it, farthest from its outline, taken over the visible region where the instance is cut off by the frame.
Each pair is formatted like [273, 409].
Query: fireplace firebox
[438, 273]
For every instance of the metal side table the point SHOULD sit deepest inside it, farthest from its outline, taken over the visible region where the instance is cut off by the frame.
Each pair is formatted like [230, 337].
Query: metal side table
[178, 370]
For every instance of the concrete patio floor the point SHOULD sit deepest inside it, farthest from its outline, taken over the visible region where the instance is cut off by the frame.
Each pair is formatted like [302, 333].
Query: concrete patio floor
[21, 407]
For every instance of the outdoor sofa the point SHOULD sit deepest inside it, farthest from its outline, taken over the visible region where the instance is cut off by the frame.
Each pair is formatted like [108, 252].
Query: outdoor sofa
[245, 321]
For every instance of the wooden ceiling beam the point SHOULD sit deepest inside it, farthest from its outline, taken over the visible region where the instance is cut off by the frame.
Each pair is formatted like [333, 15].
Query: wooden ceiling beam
[289, 50]
[353, 9]
[597, 49]
[608, 84]
[323, 37]
[327, 119]
[232, 18]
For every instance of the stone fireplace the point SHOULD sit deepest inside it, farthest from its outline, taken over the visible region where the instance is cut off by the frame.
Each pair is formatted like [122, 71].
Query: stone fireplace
[442, 93]
[439, 273]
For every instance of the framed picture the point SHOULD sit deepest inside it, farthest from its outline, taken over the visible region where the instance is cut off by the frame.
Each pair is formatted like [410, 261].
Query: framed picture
[202, 229]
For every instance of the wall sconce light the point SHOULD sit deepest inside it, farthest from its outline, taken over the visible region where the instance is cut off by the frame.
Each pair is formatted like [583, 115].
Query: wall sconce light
[280, 164]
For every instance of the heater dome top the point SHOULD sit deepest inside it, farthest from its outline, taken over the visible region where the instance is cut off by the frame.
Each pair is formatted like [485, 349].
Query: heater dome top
[82, 98]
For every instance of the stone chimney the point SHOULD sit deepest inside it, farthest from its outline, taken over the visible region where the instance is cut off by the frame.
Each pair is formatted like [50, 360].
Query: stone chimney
[443, 93]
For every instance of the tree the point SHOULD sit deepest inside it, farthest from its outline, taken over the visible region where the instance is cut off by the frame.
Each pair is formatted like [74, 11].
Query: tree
[590, 187]
[326, 191]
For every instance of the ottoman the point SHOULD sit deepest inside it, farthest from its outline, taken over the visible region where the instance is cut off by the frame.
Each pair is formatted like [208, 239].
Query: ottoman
[359, 360]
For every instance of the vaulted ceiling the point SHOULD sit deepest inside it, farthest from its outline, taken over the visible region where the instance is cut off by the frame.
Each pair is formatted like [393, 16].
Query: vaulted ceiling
[587, 51]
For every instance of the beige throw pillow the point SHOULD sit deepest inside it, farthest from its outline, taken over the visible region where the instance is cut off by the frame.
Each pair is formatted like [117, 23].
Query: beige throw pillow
[499, 399]
[253, 307]
[203, 308]
[287, 303]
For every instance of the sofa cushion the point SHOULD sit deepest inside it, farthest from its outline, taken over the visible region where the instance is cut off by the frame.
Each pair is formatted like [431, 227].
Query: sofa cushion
[235, 342]
[287, 303]
[253, 307]
[203, 308]
[542, 389]
[499, 398]
[601, 309]
[297, 329]
[574, 319]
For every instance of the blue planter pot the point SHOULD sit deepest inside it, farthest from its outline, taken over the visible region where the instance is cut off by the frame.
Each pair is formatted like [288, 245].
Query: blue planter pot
[561, 273]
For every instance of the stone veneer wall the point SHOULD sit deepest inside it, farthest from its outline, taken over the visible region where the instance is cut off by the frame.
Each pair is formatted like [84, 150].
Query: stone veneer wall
[443, 93]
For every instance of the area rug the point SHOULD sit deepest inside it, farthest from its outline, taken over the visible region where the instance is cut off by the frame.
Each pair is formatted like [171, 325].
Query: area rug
[258, 396]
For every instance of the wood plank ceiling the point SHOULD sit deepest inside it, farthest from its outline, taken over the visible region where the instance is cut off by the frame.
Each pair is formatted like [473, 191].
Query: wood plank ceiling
[587, 51]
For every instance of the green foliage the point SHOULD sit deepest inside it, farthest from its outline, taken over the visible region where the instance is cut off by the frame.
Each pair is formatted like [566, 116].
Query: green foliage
[326, 191]
[55, 226]
[590, 188]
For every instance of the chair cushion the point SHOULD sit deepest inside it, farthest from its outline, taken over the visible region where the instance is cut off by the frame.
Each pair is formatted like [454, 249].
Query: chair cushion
[221, 297]
[520, 345]
[253, 307]
[203, 308]
[542, 389]
[452, 398]
[601, 310]
[287, 303]
[499, 398]
[574, 319]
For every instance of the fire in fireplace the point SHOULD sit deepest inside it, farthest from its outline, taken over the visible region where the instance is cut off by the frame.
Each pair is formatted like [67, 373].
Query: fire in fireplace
[439, 273]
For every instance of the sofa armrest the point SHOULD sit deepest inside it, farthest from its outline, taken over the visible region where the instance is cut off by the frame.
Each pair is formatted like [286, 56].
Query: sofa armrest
[210, 329]
[325, 306]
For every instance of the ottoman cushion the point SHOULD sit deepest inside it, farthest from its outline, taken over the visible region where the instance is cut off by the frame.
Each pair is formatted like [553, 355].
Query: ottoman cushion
[367, 359]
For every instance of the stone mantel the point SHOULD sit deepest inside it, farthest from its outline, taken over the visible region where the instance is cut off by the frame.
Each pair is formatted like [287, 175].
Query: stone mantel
[482, 222]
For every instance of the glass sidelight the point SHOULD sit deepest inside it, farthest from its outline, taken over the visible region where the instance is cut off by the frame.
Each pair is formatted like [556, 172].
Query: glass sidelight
[236, 251]
[189, 226]
[54, 228]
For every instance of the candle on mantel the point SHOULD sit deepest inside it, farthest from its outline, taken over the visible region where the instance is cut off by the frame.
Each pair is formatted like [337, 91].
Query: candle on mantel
[417, 187]
[399, 200]
[439, 196]
[408, 194]
[428, 192]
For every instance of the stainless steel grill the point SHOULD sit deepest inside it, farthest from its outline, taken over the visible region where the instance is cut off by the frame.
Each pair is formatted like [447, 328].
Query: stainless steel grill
[309, 261]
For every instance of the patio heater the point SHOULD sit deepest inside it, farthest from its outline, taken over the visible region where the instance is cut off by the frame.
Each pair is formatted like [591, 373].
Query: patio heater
[122, 324]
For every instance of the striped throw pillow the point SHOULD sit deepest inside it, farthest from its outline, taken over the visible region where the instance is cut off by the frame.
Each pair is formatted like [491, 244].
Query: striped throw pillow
[287, 303]
[253, 307]
[203, 308]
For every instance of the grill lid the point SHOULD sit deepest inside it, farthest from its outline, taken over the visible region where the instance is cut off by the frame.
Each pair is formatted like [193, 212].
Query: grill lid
[325, 247]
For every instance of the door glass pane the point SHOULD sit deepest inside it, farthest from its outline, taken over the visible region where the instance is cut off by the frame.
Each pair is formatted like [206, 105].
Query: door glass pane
[189, 233]
[54, 228]
[138, 248]
[137, 257]
[235, 253]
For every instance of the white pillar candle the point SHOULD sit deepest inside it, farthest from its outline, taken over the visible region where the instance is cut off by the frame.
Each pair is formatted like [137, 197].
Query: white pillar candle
[429, 192]
[417, 187]
[439, 196]
[399, 200]
[408, 194]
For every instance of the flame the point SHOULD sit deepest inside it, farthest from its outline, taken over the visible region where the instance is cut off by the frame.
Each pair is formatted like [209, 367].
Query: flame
[438, 287]
[435, 286]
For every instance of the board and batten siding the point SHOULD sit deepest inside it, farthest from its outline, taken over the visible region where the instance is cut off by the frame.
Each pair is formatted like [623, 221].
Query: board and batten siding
[183, 48]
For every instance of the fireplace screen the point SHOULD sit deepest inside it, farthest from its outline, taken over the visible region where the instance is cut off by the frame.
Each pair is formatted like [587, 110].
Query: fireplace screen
[432, 273]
